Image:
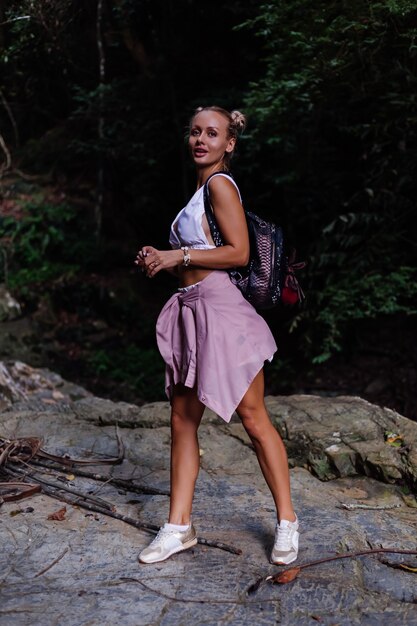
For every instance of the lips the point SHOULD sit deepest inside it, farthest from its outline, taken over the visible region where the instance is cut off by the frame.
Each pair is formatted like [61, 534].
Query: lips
[199, 152]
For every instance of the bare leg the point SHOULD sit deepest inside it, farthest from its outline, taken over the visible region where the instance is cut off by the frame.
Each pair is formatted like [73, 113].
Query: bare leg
[186, 414]
[269, 447]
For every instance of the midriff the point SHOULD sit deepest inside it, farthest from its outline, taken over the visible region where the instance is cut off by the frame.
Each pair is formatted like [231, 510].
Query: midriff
[190, 275]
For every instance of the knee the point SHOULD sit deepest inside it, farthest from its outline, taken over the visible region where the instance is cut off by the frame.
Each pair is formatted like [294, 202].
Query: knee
[181, 423]
[254, 422]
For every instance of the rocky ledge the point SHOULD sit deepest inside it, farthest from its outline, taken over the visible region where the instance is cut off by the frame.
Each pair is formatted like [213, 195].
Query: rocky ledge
[353, 479]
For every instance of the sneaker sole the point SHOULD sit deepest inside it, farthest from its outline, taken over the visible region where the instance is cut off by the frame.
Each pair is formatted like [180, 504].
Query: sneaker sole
[185, 546]
[283, 562]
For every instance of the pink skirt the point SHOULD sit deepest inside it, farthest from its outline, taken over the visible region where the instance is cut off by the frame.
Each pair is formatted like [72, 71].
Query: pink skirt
[211, 338]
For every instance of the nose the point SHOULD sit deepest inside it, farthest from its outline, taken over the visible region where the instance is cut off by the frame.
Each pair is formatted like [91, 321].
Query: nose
[200, 139]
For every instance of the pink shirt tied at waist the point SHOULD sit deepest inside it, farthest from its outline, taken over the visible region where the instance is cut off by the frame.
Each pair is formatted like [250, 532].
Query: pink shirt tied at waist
[212, 338]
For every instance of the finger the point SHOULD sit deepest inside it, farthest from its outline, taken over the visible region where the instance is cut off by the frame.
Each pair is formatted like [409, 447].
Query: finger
[153, 272]
[154, 267]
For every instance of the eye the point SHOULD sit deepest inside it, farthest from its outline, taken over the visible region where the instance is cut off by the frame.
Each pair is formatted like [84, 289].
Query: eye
[212, 133]
[194, 132]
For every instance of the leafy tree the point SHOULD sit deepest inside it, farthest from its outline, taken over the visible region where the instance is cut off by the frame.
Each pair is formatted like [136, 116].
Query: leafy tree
[336, 108]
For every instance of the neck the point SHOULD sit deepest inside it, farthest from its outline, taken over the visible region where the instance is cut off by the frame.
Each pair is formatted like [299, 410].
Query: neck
[205, 172]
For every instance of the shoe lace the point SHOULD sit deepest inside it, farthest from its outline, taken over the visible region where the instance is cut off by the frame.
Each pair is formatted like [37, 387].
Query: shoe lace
[283, 538]
[161, 534]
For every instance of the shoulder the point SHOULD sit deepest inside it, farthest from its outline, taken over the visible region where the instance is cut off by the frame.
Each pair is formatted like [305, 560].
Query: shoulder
[223, 186]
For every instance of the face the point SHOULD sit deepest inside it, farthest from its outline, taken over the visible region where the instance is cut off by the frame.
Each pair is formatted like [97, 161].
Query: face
[209, 138]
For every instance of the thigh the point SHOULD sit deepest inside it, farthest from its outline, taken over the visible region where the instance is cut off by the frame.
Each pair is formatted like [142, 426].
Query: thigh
[252, 410]
[185, 405]
[253, 399]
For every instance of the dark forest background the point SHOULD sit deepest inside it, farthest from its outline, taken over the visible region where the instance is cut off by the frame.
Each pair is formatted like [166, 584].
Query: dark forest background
[95, 99]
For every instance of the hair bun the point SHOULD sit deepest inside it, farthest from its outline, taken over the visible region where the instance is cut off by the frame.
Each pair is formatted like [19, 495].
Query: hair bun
[239, 120]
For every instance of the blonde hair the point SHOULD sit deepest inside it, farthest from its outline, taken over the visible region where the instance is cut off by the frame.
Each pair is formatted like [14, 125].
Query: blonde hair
[236, 125]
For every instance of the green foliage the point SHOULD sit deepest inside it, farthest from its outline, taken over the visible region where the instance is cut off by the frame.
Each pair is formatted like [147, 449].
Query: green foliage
[41, 242]
[336, 107]
[142, 370]
[361, 297]
[330, 152]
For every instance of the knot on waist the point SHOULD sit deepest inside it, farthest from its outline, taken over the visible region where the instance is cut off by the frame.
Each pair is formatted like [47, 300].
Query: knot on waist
[186, 298]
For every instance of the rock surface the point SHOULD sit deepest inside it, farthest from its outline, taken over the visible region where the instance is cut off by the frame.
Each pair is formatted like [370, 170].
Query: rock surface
[338, 455]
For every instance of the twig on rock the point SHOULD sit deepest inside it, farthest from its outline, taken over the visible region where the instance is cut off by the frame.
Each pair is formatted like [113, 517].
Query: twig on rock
[69, 462]
[29, 449]
[220, 545]
[289, 574]
[152, 528]
[124, 483]
[379, 507]
[161, 594]
[45, 569]
[12, 491]
[405, 567]
[75, 492]
[26, 448]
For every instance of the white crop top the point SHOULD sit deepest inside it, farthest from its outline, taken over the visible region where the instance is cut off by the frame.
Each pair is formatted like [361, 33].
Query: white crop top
[187, 228]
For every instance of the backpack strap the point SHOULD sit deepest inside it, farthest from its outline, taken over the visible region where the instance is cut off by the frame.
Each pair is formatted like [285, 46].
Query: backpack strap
[211, 220]
[214, 227]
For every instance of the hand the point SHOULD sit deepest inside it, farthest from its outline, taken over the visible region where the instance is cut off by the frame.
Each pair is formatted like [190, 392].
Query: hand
[151, 260]
[140, 259]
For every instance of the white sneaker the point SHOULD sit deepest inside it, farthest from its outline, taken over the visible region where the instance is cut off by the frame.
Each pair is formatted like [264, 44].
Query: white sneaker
[168, 542]
[285, 548]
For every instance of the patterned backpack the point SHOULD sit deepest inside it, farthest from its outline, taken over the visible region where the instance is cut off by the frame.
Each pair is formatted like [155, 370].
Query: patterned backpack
[268, 280]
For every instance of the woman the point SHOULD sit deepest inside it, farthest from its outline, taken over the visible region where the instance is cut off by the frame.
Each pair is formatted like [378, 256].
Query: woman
[213, 341]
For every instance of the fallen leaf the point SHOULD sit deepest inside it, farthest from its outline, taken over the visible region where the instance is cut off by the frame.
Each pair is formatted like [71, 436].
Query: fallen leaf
[287, 576]
[70, 476]
[57, 395]
[16, 512]
[58, 515]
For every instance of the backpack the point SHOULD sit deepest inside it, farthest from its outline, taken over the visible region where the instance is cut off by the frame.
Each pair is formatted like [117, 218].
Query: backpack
[268, 280]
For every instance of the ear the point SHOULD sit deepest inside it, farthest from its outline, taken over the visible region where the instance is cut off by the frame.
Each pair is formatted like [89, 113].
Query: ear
[231, 144]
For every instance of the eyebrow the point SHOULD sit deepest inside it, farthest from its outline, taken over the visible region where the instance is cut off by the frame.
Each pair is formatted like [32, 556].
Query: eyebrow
[209, 127]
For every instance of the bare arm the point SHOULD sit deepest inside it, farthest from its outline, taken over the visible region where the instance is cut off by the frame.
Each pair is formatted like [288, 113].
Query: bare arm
[231, 219]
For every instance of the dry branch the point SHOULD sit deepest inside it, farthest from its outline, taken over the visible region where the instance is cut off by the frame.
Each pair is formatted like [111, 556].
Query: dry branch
[54, 562]
[12, 491]
[202, 600]
[291, 573]
[152, 528]
[124, 483]
[33, 476]
[27, 448]
[17, 456]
